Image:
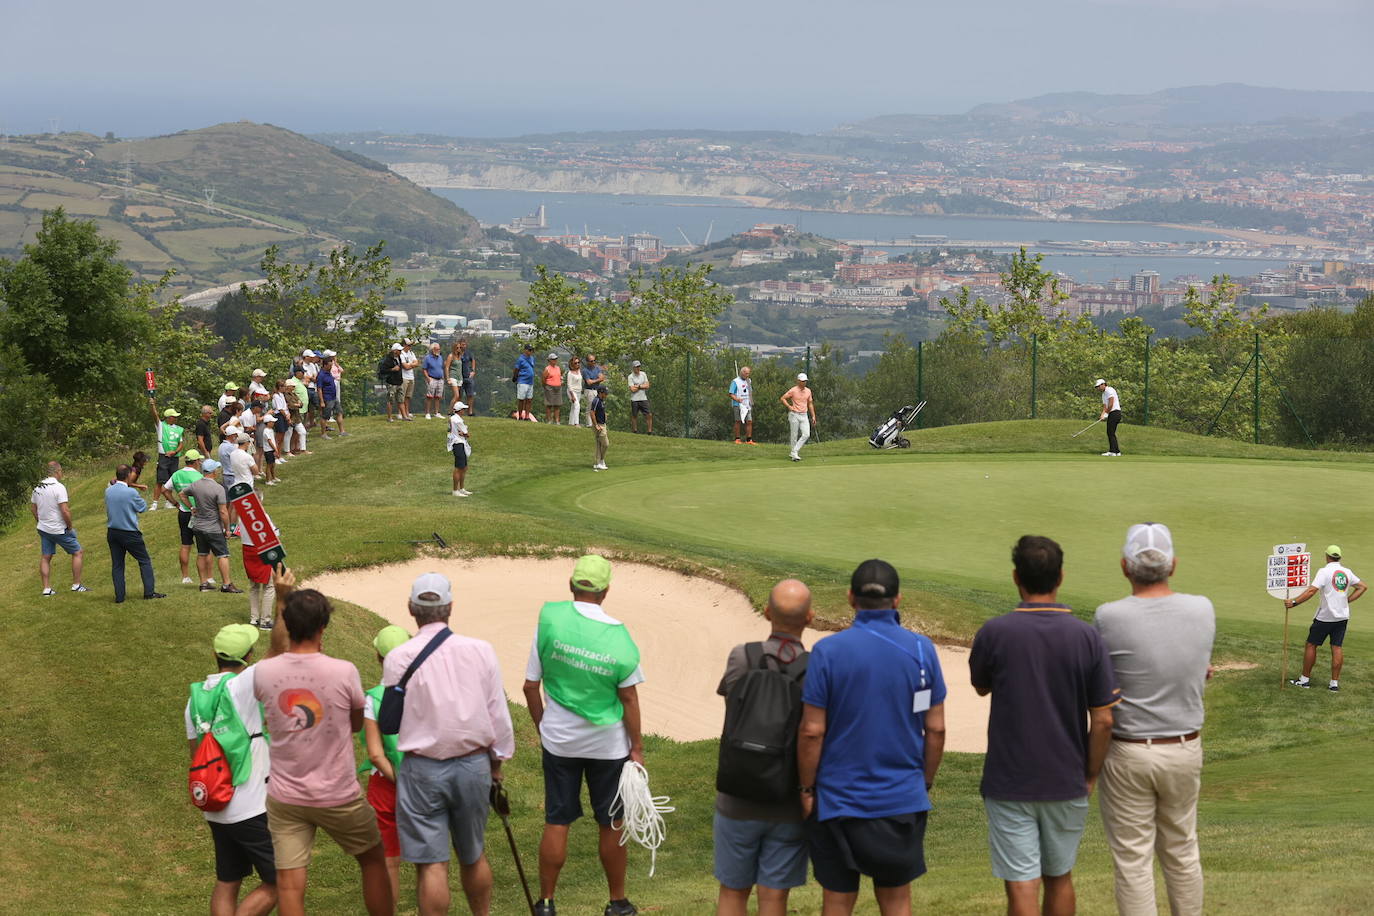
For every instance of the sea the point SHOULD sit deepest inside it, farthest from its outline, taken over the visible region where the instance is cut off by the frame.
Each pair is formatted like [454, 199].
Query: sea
[683, 220]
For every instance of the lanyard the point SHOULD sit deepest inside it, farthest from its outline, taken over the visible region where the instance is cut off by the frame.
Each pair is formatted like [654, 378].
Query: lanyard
[920, 663]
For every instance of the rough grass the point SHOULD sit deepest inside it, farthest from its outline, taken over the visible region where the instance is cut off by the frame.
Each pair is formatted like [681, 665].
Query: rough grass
[94, 758]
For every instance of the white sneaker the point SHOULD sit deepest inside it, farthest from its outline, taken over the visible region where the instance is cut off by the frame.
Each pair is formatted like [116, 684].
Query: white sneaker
[187, 580]
[597, 467]
[429, 417]
[272, 483]
[153, 507]
[465, 491]
[1108, 454]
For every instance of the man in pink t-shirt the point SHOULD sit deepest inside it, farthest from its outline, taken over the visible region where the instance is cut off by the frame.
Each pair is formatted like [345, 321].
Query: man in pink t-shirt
[313, 704]
[801, 413]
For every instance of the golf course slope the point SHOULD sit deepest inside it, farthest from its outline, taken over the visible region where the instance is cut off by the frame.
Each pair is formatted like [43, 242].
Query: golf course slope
[93, 782]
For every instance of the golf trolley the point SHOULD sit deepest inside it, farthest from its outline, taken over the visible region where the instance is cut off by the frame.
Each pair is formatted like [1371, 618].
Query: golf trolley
[889, 435]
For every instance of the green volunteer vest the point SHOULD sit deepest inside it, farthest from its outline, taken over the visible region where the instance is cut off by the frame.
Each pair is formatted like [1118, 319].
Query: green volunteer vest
[208, 713]
[183, 478]
[169, 437]
[584, 661]
[393, 753]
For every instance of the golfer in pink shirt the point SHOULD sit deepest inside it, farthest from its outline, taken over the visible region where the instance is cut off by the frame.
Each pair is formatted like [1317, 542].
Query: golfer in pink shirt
[801, 413]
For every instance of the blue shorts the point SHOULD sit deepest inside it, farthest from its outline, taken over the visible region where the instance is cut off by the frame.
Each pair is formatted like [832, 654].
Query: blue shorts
[1033, 839]
[460, 455]
[766, 853]
[66, 540]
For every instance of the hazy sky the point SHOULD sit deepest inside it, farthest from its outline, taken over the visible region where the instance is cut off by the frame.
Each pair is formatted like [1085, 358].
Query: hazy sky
[140, 67]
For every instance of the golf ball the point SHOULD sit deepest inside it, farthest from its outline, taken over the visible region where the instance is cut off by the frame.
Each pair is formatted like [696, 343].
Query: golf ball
[985, 476]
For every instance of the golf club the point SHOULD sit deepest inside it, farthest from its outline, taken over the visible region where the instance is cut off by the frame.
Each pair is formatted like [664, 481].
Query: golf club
[501, 805]
[1086, 428]
[434, 537]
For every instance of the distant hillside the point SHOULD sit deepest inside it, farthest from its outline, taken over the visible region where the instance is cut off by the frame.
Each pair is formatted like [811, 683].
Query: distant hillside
[207, 202]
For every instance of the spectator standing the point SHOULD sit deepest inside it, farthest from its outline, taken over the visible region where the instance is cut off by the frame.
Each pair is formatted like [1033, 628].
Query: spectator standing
[1049, 674]
[245, 468]
[248, 419]
[261, 586]
[434, 382]
[408, 363]
[178, 484]
[227, 446]
[122, 508]
[329, 395]
[576, 384]
[455, 735]
[597, 414]
[230, 414]
[209, 505]
[384, 759]
[225, 703]
[801, 413]
[871, 741]
[313, 704]
[742, 396]
[301, 398]
[588, 721]
[466, 372]
[171, 442]
[552, 380]
[461, 447]
[1338, 586]
[52, 514]
[1160, 644]
[337, 371]
[205, 439]
[763, 842]
[231, 393]
[524, 383]
[390, 374]
[269, 446]
[257, 391]
[310, 361]
[281, 429]
[639, 398]
[593, 376]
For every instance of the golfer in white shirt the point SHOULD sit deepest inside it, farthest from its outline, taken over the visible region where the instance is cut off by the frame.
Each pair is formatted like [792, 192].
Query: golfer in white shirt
[1111, 412]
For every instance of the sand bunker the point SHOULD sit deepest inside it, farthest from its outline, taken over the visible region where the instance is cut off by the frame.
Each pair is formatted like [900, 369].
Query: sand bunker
[684, 627]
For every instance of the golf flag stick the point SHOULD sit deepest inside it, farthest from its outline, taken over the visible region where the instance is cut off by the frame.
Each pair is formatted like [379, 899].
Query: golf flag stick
[1086, 428]
[501, 805]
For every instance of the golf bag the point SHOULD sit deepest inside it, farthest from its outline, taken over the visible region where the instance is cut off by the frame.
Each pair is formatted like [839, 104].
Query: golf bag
[889, 435]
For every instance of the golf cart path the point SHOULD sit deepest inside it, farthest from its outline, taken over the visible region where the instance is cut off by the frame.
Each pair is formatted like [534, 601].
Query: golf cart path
[684, 627]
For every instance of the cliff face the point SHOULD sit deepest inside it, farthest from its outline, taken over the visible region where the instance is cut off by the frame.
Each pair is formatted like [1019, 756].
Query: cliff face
[602, 181]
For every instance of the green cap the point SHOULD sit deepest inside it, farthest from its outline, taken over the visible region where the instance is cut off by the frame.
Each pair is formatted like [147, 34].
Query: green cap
[1334, 551]
[192, 455]
[169, 412]
[592, 574]
[234, 642]
[389, 638]
[231, 386]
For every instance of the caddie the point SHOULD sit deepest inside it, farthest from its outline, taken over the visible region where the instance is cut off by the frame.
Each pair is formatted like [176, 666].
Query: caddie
[1338, 587]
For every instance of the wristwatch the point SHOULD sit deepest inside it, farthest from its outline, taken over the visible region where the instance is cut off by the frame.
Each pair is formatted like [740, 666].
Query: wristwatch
[808, 790]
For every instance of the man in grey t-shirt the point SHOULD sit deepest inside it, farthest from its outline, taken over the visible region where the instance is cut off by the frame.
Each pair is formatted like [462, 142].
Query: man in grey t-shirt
[209, 507]
[1160, 644]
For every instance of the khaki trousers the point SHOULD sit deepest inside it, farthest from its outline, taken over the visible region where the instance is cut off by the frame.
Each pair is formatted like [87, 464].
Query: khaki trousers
[603, 442]
[1149, 808]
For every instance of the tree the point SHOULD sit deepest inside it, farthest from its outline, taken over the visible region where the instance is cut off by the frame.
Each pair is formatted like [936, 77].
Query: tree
[24, 398]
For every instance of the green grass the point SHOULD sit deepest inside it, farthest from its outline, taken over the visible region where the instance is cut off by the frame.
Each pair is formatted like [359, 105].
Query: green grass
[94, 759]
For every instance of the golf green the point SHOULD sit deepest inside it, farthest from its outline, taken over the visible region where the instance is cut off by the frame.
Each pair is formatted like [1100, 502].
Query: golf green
[950, 520]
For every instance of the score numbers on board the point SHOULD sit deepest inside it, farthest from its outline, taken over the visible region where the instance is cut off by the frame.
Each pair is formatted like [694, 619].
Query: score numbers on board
[1289, 568]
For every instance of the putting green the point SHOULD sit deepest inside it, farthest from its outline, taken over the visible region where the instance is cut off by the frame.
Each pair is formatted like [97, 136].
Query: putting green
[950, 520]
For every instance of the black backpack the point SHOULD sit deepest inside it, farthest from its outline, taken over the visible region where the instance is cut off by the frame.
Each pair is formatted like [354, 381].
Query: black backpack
[758, 746]
[383, 370]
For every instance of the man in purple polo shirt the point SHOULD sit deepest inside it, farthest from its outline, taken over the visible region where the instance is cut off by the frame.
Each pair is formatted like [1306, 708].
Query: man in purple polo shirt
[1048, 673]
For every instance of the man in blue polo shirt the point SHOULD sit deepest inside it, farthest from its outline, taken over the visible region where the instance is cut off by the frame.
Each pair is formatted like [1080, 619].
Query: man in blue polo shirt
[524, 383]
[872, 735]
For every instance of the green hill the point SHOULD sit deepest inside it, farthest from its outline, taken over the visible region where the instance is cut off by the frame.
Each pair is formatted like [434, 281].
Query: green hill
[95, 766]
[207, 202]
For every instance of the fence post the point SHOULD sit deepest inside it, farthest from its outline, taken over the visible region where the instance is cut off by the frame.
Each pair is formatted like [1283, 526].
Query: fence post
[807, 370]
[687, 401]
[1147, 378]
[920, 380]
[1257, 387]
[1035, 369]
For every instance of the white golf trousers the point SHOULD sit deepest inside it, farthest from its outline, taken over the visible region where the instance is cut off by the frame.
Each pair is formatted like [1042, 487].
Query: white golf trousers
[799, 427]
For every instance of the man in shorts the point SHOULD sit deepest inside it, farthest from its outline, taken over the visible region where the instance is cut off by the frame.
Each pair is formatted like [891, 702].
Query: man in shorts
[314, 705]
[871, 740]
[242, 841]
[524, 383]
[408, 363]
[171, 442]
[461, 447]
[455, 735]
[53, 516]
[1049, 675]
[328, 388]
[588, 722]
[209, 507]
[1338, 587]
[638, 381]
[593, 376]
[390, 374]
[434, 382]
[742, 401]
[178, 483]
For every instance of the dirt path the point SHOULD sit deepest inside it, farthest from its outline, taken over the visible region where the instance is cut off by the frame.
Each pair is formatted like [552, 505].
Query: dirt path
[684, 627]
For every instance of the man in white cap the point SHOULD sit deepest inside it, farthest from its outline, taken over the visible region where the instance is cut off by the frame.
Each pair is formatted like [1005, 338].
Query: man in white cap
[408, 363]
[1338, 587]
[742, 398]
[389, 373]
[1160, 644]
[1111, 412]
[801, 413]
[454, 736]
[460, 446]
[257, 391]
[638, 381]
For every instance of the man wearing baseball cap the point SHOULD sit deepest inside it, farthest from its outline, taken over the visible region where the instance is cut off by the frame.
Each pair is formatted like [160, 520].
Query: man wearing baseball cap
[454, 736]
[638, 380]
[552, 381]
[588, 722]
[224, 703]
[385, 758]
[171, 442]
[801, 413]
[257, 391]
[389, 372]
[1160, 643]
[523, 376]
[177, 484]
[1111, 412]
[1338, 587]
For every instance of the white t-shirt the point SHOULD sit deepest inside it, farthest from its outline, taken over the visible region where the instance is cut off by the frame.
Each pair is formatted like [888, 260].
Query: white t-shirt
[279, 402]
[242, 465]
[1333, 581]
[49, 496]
[1107, 395]
[457, 432]
[638, 378]
[563, 732]
[408, 364]
[740, 388]
[249, 421]
[269, 420]
[225, 399]
[312, 371]
[250, 798]
[256, 391]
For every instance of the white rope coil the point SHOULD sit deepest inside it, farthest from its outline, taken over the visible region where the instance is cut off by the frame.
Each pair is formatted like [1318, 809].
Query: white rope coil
[641, 813]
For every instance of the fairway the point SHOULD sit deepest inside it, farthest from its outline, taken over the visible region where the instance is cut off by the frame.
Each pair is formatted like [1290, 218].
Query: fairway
[950, 520]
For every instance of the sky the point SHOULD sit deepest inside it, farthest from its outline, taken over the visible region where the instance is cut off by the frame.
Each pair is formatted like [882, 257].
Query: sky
[145, 67]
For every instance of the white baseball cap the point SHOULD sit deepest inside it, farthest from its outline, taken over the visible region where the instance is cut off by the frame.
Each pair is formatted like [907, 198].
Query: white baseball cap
[555, 356]
[1100, 381]
[395, 346]
[258, 373]
[459, 406]
[636, 364]
[431, 583]
[307, 353]
[231, 432]
[801, 377]
[1148, 536]
[330, 353]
